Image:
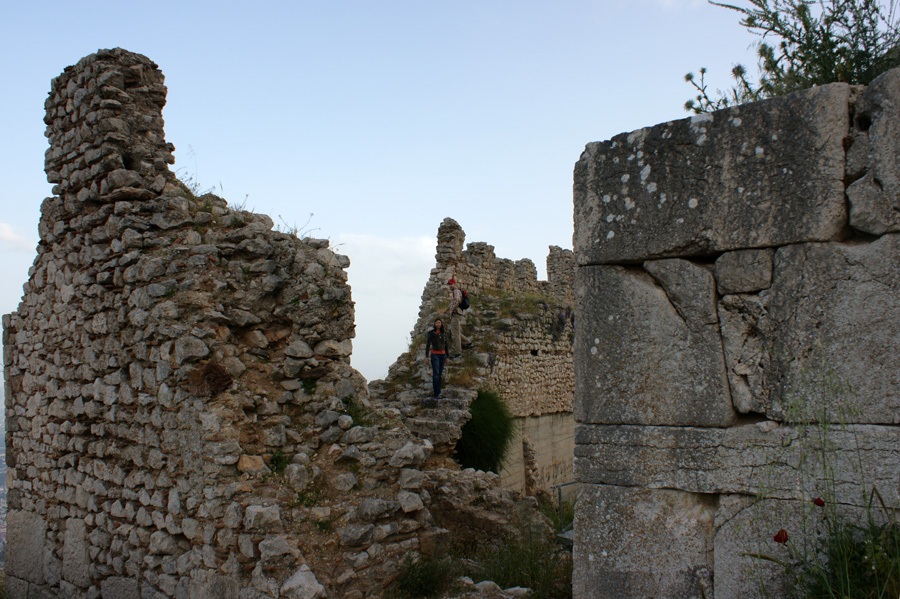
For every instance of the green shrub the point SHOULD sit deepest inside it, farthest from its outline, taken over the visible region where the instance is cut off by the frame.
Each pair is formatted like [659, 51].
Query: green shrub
[427, 577]
[485, 439]
[804, 43]
[532, 559]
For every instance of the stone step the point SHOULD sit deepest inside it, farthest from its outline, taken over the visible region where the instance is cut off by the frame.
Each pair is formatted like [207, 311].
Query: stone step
[439, 432]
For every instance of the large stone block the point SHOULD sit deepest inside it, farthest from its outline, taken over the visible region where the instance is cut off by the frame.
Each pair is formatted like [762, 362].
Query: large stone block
[873, 160]
[118, 587]
[744, 271]
[745, 527]
[647, 346]
[787, 461]
[757, 175]
[75, 562]
[25, 534]
[825, 332]
[638, 543]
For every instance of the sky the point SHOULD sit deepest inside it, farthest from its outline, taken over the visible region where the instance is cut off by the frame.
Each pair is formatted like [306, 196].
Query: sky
[367, 123]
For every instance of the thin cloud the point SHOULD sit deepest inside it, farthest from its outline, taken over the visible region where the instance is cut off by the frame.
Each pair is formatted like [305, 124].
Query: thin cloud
[380, 265]
[10, 240]
[387, 277]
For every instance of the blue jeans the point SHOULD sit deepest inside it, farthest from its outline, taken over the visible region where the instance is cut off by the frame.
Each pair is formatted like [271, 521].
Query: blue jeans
[437, 369]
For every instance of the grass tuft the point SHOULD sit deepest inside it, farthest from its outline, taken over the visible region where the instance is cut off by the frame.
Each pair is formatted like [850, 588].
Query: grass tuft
[426, 578]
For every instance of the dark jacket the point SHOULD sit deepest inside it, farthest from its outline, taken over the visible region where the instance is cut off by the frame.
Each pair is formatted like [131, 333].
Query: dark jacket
[436, 341]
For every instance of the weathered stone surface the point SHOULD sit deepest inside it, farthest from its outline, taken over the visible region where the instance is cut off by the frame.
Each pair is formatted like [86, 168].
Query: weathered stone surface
[344, 482]
[624, 540]
[25, 537]
[744, 271]
[252, 464]
[162, 542]
[333, 349]
[410, 502]
[411, 479]
[296, 476]
[302, 585]
[119, 587]
[299, 349]
[747, 526]
[726, 186]
[636, 320]
[409, 455]
[123, 178]
[275, 547]
[355, 535]
[832, 309]
[189, 348]
[873, 160]
[209, 585]
[75, 559]
[373, 508]
[359, 434]
[743, 345]
[262, 517]
[739, 459]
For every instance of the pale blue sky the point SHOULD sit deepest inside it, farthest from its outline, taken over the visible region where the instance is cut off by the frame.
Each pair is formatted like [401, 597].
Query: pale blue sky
[381, 118]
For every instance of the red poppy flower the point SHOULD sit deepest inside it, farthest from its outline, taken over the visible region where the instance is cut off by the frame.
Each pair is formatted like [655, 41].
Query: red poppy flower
[819, 502]
[781, 536]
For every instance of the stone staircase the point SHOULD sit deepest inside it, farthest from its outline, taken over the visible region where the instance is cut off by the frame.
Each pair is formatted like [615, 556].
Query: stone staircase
[440, 422]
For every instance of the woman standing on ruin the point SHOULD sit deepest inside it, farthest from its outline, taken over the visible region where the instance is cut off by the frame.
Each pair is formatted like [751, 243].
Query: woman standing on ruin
[436, 351]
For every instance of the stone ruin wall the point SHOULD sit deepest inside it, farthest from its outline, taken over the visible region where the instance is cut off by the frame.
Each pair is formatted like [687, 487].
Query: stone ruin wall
[182, 419]
[530, 354]
[729, 265]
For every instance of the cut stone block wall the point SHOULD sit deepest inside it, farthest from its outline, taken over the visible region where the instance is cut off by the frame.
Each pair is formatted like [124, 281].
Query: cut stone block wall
[552, 438]
[737, 289]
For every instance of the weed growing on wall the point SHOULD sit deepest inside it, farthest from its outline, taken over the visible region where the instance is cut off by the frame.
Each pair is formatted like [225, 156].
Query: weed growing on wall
[428, 577]
[560, 516]
[357, 411]
[278, 462]
[531, 558]
[485, 439]
[827, 545]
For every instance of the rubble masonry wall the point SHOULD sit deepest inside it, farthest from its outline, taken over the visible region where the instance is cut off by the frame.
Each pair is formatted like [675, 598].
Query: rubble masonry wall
[182, 419]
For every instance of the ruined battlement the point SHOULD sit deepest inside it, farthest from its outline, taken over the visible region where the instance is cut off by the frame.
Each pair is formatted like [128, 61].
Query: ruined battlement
[522, 331]
[105, 128]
